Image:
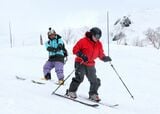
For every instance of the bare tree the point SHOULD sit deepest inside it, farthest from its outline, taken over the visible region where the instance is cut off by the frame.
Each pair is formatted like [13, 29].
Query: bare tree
[68, 35]
[84, 29]
[71, 35]
[158, 37]
[138, 42]
[154, 37]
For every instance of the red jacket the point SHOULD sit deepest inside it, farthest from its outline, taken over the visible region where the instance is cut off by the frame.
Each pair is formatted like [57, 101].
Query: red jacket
[89, 48]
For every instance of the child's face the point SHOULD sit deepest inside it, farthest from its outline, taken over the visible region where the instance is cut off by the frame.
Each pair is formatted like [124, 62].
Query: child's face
[95, 39]
[52, 36]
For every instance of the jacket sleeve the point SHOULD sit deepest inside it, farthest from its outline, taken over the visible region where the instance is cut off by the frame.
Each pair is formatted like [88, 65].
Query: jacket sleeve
[47, 44]
[77, 47]
[60, 41]
[49, 47]
[101, 51]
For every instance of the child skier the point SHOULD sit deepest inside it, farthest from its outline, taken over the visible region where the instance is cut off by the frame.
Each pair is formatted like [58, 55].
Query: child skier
[57, 56]
[87, 50]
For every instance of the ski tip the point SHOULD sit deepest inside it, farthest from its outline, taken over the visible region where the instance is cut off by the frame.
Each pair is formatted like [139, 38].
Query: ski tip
[113, 106]
[36, 82]
[95, 105]
[20, 78]
[116, 105]
[52, 93]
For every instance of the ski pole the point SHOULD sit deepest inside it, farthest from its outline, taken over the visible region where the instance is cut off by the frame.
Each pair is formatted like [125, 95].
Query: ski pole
[121, 80]
[66, 78]
[110, 62]
[108, 30]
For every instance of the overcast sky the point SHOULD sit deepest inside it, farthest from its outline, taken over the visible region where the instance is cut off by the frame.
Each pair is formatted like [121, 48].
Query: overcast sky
[35, 16]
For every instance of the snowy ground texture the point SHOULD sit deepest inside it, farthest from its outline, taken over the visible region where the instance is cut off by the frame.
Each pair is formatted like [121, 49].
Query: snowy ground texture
[139, 68]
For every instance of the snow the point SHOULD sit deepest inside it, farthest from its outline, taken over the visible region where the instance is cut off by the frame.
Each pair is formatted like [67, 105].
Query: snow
[138, 68]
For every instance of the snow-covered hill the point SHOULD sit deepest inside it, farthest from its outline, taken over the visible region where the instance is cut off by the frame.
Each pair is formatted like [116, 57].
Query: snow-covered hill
[138, 67]
[141, 21]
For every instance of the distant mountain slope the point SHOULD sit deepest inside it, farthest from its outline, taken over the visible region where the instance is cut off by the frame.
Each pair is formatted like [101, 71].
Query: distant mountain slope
[140, 21]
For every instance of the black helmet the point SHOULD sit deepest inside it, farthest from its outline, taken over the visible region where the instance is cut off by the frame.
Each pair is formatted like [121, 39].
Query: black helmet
[95, 31]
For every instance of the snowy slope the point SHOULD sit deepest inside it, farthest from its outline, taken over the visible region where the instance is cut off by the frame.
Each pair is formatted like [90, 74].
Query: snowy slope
[138, 67]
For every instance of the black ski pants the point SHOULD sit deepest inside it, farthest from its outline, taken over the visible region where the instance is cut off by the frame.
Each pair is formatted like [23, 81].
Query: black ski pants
[90, 73]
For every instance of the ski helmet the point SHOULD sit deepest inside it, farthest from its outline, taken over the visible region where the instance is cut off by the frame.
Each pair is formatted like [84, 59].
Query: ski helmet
[96, 32]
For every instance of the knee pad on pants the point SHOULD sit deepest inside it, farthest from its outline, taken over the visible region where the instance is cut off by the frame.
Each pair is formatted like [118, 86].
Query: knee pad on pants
[77, 80]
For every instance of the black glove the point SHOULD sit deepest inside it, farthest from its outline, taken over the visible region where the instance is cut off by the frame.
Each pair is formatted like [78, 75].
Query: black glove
[51, 49]
[106, 59]
[60, 47]
[65, 53]
[81, 55]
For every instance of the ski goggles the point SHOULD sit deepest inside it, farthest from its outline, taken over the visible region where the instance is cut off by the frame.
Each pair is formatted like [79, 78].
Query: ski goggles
[97, 36]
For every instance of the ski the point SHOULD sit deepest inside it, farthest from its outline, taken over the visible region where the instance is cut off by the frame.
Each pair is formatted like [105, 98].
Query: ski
[37, 82]
[20, 78]
[40, 81]
[76, 100]
[108, 105]
[100, 102]
[33, 81]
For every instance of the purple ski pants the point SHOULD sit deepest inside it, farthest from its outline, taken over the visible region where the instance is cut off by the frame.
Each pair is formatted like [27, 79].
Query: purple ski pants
[48, 66]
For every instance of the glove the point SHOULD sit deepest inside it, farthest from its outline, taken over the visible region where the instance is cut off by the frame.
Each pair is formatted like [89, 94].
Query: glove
[81, 55]
[106, 59]
[51, 49]
[85, 58]
[65, 53]
[60, 47]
